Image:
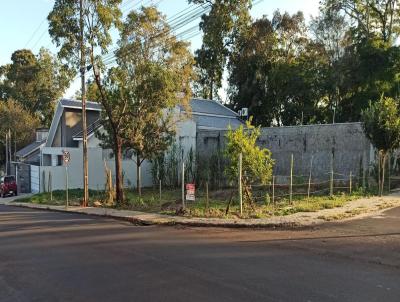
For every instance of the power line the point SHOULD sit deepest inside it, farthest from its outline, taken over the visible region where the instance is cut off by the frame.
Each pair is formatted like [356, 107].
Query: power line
[176, 22]
[35, 32]
[40, 38]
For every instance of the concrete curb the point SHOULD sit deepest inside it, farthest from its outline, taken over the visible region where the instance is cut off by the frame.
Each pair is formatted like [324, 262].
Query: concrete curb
[147, 219]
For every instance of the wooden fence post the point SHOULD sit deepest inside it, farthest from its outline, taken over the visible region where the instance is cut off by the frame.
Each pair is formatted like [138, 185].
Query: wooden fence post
[389, 171]
[350, 179]
[240, 183]
[379, 172]
[207, 200]
[273, 190]
[291, 181]
[183, 185]
[363, 179]
[309, 178]
[331, 181]
[160, 192]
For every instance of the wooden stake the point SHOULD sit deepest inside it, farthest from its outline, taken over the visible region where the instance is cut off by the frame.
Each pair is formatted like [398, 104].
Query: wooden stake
[160, 188]
[351, 176]
[291, 181]
[331, 182]
[273, 190]
[183, 185]
[207, 200]
[389, 171]
[240, 183]
[363, 178]
[309, 178]
[379, 172]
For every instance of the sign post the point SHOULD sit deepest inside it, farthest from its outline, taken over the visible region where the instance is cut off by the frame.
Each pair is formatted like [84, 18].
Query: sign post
[66, 159]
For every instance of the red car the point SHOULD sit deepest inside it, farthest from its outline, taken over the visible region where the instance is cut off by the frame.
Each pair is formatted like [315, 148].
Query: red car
[8, 186]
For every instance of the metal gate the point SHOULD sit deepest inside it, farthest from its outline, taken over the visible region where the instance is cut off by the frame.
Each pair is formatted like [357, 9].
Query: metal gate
[35, 179]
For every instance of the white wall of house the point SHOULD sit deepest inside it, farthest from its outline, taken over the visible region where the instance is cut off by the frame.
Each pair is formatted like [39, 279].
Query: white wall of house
[98, 158]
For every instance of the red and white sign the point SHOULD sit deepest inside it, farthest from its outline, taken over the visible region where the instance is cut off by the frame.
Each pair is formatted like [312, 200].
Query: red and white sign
[190, 192]
[66, 157]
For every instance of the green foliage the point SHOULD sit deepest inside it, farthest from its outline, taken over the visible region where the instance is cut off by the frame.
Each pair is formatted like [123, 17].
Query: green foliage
[257, 162]
[165, 167]
[100, 16]
[275, 71]
[370, 19]
[155, 70]
[220, 27]
[21, 123]
[288, 74]
[381, 123]
[35, 81]
[210, 168]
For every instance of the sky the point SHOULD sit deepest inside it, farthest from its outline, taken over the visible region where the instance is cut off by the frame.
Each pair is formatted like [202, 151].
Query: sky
[23, 23]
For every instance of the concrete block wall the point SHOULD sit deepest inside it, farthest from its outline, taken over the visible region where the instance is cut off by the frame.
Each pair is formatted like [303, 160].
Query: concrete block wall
[345, 143]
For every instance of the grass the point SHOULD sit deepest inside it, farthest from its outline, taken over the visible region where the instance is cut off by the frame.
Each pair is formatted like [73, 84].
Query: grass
[283, 208]
[171, 203]
[59, 197]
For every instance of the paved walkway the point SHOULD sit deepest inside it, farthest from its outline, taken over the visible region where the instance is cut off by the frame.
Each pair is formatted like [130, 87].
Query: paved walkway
[365, 207]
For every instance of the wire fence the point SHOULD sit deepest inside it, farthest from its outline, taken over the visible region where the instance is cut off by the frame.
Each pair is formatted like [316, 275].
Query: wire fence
[282, 188]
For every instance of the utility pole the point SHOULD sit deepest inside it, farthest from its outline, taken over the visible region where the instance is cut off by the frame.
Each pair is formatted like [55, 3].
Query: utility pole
[6, 153]
[84, 126]
[9, 150]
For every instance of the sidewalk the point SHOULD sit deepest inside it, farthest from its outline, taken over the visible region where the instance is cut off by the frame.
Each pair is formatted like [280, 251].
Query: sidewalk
[356, 209]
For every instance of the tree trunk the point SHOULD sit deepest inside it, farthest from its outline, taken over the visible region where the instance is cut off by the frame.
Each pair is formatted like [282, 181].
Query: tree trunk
[118, 172]
[211, 89]
[138, 175]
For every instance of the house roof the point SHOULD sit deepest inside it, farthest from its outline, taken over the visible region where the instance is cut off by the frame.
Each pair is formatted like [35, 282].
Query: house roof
[210, 107]
[24, 152]
[216, 123]
[78, 104]
[209, 114]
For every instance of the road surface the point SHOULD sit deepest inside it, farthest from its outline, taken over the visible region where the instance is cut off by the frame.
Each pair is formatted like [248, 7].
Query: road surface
[49, 256]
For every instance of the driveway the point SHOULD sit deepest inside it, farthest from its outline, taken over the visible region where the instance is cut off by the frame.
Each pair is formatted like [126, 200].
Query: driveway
[49, 256]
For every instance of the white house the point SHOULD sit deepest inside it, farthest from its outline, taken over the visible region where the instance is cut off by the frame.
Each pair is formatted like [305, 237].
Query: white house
[65, 134]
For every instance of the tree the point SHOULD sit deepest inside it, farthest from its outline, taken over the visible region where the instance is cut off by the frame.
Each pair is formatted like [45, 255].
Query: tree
[365, 34]
[82, 31]
[19, 121]
[370, 19]
[157, 71]
[35, 81]
[100, 16]
[274, 70]
[381, 123]
[257, 164]
[220, 26]
[114, 119]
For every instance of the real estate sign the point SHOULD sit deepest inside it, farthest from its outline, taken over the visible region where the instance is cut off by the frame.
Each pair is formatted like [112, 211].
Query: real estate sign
[190, 192]
[66, 157]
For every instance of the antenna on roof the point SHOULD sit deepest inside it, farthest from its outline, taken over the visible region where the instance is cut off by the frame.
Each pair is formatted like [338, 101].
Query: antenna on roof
[244, 113]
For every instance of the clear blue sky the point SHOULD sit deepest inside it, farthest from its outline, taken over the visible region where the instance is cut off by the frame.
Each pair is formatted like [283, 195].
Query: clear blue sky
[23, 22]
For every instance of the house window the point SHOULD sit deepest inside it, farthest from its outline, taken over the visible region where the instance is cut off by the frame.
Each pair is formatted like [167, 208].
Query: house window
[59, 160]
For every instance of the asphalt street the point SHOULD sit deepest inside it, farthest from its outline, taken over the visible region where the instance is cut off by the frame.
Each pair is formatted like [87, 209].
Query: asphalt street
[49, 256]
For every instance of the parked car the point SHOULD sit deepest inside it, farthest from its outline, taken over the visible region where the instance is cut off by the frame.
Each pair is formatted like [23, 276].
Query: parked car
[8, 186]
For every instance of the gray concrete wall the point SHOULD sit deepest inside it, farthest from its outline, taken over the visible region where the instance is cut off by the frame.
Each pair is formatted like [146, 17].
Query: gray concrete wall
[345, 143]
